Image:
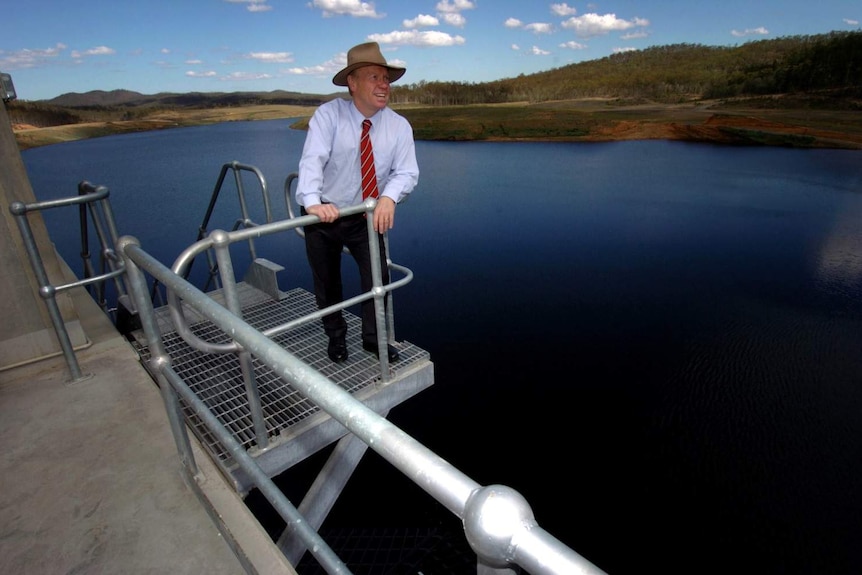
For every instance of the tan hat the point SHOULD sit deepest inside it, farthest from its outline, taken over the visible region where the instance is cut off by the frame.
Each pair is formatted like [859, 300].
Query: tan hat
[367, 54]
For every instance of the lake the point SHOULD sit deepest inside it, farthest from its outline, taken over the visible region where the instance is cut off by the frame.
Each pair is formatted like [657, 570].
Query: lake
[656, 343]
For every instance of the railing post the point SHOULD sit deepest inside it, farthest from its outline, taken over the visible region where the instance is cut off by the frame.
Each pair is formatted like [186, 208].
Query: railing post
[159, 357]
[47, 291]
[221, 245]
[378, 292]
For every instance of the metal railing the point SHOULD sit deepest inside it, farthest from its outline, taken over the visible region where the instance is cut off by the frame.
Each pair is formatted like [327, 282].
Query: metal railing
[498, 522]
[219, 242]
[390, 307]
[94, 200]
[244, 221]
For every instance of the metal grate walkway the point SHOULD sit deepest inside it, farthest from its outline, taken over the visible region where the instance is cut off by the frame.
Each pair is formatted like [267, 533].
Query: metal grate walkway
[217, 378]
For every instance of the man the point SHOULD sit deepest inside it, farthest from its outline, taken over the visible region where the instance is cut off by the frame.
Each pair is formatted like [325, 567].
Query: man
[331, 178]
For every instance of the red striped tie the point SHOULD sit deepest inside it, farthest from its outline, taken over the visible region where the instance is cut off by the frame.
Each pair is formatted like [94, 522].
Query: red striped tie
[366, 155]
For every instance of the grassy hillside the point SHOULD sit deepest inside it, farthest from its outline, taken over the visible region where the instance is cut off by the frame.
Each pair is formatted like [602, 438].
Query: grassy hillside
[828, 64]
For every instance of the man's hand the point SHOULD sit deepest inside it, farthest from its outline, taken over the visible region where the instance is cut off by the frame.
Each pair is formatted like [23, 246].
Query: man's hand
[384, 215]
[327, 213]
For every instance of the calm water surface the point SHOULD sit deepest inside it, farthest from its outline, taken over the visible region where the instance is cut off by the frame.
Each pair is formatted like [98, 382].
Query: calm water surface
[656, 343]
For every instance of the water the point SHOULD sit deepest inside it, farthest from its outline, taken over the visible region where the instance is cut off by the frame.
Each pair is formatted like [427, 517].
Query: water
[656, 343]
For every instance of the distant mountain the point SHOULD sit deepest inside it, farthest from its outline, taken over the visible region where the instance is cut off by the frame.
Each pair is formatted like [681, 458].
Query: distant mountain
[128, 98]
[96, 98]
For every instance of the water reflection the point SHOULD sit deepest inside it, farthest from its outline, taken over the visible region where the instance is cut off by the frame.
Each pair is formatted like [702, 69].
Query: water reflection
[840, 259]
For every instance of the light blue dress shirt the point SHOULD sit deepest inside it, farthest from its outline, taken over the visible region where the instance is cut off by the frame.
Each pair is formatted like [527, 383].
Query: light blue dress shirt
[329, 169]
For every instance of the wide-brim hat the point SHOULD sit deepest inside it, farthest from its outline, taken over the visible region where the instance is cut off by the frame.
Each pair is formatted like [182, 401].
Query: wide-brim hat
[367, 54]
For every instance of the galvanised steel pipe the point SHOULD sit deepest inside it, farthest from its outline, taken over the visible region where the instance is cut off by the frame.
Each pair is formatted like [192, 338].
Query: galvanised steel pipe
[498, 521]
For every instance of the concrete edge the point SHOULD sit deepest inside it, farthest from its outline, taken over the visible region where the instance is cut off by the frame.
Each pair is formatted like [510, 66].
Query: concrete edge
[253, 547]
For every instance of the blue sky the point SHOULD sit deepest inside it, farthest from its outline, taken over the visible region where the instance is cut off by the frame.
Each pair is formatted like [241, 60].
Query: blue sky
[51, 47]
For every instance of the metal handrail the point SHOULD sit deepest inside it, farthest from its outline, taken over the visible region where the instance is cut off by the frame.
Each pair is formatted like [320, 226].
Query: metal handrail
[244, 221]
[288, 194]
[498, 522]
[220, 242]
[288, 202]
[96, 199]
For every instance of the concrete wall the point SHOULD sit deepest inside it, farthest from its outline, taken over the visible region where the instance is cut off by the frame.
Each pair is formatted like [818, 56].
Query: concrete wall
[26, 331]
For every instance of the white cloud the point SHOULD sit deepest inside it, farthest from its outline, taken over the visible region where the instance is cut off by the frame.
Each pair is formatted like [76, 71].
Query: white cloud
[539, 28]
[253, 5]
[165, 51]
[320, 70]
[277, 57]
[515, 47]
[454, 5]
[634, 35]
[851, 22]
[572, 45]
[193, 62]
[97, 51]
[593, 24]
[193, 74]
[453, 19]
[621, 50]
[536, 51]
[761, 31]
[353, 8]
[21, 59]
[563, 10]
[450, 11]
[416, 38]
[512, 23]
[327, 68]
[244, 76]
[420, 21]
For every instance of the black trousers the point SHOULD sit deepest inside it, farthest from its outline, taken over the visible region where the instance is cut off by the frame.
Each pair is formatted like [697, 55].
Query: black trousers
[323, 246]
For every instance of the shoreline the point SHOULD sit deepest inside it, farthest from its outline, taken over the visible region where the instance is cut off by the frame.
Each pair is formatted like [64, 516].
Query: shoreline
[575, 121]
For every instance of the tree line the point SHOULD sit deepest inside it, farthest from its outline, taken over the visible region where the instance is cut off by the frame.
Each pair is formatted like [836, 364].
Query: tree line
[672, 74]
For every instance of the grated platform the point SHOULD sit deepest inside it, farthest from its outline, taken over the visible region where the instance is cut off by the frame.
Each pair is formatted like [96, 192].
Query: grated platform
[217, 378]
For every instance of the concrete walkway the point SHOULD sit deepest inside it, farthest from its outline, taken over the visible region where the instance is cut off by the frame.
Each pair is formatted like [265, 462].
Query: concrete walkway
[91, 481]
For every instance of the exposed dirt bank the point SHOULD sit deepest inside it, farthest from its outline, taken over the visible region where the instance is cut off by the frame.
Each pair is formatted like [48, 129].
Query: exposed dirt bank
[729, 130]
[789, 128]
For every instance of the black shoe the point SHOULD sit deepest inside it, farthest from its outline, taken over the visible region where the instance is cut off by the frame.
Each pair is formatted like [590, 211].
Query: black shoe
[337, 349]
[372, 347]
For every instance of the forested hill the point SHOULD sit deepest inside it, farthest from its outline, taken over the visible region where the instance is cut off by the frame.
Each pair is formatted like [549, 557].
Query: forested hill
[127, 98]
[826, 63]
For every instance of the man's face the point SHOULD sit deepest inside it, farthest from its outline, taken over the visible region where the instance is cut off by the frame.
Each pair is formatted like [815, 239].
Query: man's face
[370, 88]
